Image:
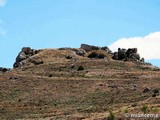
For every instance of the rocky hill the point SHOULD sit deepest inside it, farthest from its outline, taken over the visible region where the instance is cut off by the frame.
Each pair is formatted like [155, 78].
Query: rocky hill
[89, 82]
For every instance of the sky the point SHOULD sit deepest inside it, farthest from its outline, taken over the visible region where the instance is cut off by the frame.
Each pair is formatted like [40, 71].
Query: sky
[69, 23]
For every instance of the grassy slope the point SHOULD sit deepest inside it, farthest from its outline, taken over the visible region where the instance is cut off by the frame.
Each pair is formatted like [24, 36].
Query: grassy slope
[55, 89]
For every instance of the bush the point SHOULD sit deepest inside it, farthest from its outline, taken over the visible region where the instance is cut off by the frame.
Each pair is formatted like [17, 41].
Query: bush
[111, 116]
[80, 68]
[145, 109]
[50, 75]
[69, 57]
[93, 55]
[97, 54]
[101, 56]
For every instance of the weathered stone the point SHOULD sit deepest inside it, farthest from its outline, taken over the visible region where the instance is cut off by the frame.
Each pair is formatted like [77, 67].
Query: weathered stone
[134, 56]
[25, 53]
[130, 54]
[121, 54]
[26, 50]
[80, 52]
[115, 56]
[21, 56]
[106, 49]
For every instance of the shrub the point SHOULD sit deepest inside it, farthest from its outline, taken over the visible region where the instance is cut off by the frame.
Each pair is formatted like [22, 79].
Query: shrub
[101, 56]
[145, 109]
[111, 115]
[97, 54]
[80, 68]
[126, 110]
[68, 57]
[93, 55]
[50, 75]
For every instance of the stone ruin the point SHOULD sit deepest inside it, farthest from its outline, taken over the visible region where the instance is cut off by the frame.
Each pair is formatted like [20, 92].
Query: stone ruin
[25, 53]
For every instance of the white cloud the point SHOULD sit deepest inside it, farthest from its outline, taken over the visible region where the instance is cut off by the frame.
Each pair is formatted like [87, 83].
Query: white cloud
[2, 3]
[148, 46]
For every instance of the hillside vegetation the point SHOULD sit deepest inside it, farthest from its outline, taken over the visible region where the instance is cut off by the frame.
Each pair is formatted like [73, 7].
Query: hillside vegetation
[58, 84]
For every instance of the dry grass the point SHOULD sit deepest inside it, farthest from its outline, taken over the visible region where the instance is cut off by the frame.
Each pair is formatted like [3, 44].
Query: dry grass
[55, 89]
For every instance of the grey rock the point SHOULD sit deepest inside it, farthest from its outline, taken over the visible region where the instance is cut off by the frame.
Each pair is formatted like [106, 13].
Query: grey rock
[80, 52]
[89, 47]
[21, 56]
[26, 50]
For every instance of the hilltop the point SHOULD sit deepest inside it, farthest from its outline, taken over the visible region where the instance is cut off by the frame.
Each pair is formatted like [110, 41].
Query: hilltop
[78, 83]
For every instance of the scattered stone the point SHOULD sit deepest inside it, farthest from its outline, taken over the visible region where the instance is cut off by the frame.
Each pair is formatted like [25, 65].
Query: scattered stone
[113, 85]
[156, 92]
[13, 78]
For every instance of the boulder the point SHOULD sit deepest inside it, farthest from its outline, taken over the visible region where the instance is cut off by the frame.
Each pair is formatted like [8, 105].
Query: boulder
[21, 56]
[115, 56]
[134, 56]
[121, 54]
[25, 53]
[80, 52]
[26, 50]
[105, 48]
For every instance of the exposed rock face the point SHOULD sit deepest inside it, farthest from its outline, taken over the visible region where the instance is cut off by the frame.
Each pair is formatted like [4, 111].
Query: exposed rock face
[130, 54]
[25, 53]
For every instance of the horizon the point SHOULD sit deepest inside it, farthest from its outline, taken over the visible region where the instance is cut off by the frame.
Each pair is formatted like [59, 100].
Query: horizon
[68, 23]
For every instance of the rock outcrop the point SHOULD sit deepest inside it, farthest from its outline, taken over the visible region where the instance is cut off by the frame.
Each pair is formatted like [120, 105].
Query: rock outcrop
[25, 53]
[127, 55]
[88, 48]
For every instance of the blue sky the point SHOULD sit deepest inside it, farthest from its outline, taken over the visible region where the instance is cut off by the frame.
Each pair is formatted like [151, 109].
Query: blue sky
[68, 23]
